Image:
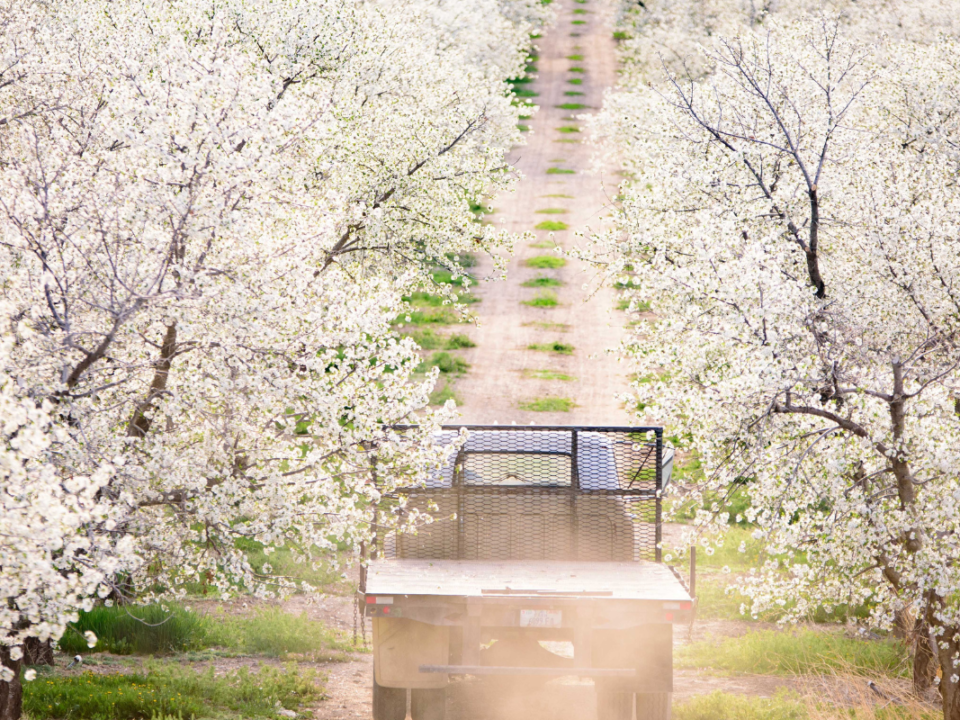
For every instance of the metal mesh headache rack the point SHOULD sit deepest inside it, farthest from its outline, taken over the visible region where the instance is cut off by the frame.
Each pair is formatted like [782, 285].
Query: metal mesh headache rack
[540, 493]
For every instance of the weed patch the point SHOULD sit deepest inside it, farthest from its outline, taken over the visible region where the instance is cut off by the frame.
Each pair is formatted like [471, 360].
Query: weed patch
[553, 211]
[144, 630]
[552, 404]
[276, 633]
[575, 81]
[571, 106]
[554, 347]
[522, 92]
[799, 652]
[572, 93]
[523, 128]
[552, 326]
[445, 277]
[724, 706]
[578, 22]
[447, 364]
[542, 282]
[576, 69]
[548, 375]
[568, 129]
[544, 244]
[171, 690]
[440, 395]
[544, 299]
[560, 171]
[546, 262]
[552, 225]
[575, 58]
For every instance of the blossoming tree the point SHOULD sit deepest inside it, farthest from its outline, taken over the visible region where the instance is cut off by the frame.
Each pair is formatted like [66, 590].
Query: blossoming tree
[210, 212]
[793, 218]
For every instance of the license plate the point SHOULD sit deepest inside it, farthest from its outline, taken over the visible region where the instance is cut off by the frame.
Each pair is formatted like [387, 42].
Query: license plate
[541, 618]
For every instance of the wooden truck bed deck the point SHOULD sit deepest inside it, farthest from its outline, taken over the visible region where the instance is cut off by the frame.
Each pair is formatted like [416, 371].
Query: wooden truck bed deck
[479, 578]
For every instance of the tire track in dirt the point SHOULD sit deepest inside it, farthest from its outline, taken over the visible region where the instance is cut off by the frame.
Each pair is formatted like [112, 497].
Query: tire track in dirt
[496, 386]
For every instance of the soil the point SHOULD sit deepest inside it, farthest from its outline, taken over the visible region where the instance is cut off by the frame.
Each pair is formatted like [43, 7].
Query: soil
[495, 386]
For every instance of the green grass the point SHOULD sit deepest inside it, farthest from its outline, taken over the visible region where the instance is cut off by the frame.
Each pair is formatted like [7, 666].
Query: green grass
[552, 326]
[578, 22]
[560, 171]
[568, 129]
[272, 632]
[465, 260]
[552, 211]
[724, 706]
[425, 299]
[575, 58]
[576, 69]
[542, 282]
[546, 262]
[458, 341]
[431, 316]
[171, 690]
[620, 35]
[143, 629]
[571, 106]
[548, 375]
[575, 81]
[642, 306]
[523, 92]
[545, 298]
[445, 277]
[552, 225]
[550, 404]
[440, 395]
[797, 652]
[572, 93]
[554, 347]
[447, 363]
[578, 11]
[523, 128]
[558, 195]
[544, 244]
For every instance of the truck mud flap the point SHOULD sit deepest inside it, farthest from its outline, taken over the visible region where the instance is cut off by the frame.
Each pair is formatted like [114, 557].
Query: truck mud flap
[401, 646]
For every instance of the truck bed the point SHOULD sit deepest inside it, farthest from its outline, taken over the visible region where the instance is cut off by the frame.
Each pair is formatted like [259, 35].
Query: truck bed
[480, 578]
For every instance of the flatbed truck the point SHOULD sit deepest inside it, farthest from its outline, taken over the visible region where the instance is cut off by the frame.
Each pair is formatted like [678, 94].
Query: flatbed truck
[540, 536]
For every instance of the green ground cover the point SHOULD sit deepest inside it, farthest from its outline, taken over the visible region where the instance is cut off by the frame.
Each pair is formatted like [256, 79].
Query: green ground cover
[551, 404]
[541, 282]
[552, 225]
[173, 691]
[548, 375]
[554, 347]
[560, 171]
[543, 299]
[546, 262]
[797, 652]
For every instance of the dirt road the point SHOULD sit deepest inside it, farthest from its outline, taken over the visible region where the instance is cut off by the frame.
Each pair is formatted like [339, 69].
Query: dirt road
[576, 64]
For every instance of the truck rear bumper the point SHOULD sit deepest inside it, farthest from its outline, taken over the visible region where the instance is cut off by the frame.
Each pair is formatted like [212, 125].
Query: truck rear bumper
[554, 671]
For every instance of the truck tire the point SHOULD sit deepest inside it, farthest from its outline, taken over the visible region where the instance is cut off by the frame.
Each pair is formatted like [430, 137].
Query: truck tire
[654, 706]
[389, 703]
[613, 705]
[428, 704]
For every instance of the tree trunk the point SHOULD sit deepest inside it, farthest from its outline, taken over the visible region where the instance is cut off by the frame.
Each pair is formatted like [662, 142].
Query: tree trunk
[11, 693]
[924, 659]
[948, 648]
[36, 652]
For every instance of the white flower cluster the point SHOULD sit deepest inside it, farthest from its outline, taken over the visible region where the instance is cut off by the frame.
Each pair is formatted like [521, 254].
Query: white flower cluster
[792, 217]
[210, 212]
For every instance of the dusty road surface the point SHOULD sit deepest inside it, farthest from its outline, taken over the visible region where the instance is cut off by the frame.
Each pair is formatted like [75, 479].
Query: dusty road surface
[505, 375]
